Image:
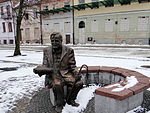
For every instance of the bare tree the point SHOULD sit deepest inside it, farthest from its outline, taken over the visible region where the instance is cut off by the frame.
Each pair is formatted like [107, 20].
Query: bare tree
[20, 13]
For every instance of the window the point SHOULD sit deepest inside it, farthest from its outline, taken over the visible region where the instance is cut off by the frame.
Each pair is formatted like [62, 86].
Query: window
[94, 0]
[125, 2]
[34, 13]
[36, 33]
[81, 1]
[124, 24]
[67, 27]
[26, 16]
[45, 7]
[55, 6]
[4, 28]
[143, 23]
[66, 4]
[143, 1]
[10, 27]
[94, 26]
[82, 24]
[27, 35]
[57, 27]
[11, 42]
[108, 25]
[2, 10]
[8, 10]
[5, 41]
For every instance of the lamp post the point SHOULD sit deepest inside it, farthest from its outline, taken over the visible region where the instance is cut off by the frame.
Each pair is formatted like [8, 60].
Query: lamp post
[73, 22]
[41, 27]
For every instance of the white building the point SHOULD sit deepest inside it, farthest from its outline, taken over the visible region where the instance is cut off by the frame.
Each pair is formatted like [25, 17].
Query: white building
[6, 23]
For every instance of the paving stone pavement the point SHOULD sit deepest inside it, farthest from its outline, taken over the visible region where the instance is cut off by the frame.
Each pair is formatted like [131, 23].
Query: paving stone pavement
[40, 103]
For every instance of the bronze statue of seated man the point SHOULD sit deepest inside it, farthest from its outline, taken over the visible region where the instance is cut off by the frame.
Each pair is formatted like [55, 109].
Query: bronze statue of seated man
[59, 65]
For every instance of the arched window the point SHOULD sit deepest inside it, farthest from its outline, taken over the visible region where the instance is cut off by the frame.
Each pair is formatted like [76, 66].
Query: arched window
[82, 24]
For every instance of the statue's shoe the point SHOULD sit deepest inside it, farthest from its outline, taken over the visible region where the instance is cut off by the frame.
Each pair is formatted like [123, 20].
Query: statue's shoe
[58, 109]
[73, 103]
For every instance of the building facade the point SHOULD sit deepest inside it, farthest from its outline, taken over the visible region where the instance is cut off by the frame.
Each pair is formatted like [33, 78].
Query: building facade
[6, 23]
[112, 21]
[97, 21]
[30, 25]
[58, 17]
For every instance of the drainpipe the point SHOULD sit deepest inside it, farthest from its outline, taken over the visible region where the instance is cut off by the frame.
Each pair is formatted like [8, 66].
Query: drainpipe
[41, 27]
[149, 36]
[73, 22]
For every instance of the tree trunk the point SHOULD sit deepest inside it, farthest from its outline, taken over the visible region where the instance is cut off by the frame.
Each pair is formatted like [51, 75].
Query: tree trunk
[17, 40]
[18, 31]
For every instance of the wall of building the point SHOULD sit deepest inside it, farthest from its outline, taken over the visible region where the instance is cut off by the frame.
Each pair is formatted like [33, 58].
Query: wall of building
[30, 28]
[57, 23]
[60, 21]
[118, 24]
[8, 36]
[132, 35]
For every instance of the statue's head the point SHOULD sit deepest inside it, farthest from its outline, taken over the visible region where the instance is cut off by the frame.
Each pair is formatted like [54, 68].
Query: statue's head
[56, 40]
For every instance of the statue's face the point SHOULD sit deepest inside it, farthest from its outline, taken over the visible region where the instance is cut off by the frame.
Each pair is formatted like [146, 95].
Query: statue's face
[56, 43]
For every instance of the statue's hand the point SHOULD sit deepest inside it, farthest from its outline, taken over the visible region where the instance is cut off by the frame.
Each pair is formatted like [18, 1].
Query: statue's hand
[35, 70]
[41, 70]
[40, 74]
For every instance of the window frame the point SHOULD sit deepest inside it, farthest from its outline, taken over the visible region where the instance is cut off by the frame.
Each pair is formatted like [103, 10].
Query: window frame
[122, 23]
[109, 25]
[81, 1]
[94, 0]
[8, 10]
[4, 27]
[34, 13]
[94, 26]
[141, 23]
[10, 27]
[2, 10]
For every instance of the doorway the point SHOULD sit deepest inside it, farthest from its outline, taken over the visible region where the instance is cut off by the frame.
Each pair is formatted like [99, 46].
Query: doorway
[82, 32]
[67, 39]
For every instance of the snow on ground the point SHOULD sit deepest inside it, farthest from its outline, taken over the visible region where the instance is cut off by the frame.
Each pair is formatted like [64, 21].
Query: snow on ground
[23, 82]
[16, 84]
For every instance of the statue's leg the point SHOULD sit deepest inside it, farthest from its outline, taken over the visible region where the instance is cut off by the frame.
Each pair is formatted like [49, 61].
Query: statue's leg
[74, 93]
[59, 96]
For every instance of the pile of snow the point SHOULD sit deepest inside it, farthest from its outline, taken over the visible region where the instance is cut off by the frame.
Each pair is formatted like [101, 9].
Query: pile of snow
[83, 98]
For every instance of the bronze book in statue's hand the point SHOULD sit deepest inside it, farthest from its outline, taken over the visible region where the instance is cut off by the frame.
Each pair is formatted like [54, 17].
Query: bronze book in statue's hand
[41, 70]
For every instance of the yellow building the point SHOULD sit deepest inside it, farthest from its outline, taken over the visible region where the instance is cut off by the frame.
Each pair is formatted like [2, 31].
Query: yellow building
[112, 21]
